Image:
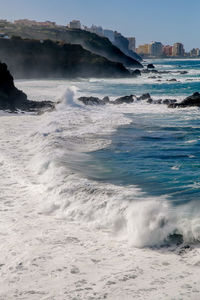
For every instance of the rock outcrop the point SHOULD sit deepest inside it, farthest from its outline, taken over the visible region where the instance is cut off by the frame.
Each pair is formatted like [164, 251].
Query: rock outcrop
[150, 66]
[136, 73]
[125, 99]
[89, 41]
[93, 100]
[48, 59]
[144, 97]
[12, 99]
[193, 100]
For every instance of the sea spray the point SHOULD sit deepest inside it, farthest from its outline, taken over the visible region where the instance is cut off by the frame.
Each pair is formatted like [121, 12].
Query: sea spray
[60, 151]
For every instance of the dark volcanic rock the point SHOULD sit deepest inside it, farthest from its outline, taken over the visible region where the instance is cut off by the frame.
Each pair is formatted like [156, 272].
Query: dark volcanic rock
[150, 66]
[48, 59]
[150, 100]
[136, 73]
[144, 97]
[13, 99]
[172, 80]
[193, 100]
[93, 100]
[165, 72]
[106, 99]
[159, 101]
[147, 71]
[125, 99]
[152, 77]
[169, 101]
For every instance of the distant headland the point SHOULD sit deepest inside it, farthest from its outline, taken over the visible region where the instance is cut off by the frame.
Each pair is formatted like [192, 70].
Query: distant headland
[44, 49]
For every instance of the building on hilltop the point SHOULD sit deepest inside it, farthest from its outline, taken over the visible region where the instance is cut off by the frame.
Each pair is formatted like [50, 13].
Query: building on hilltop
[178, 49]
[195, 52]
[132, 43]
[121, 42]
[167, 50]
[143, 49]
[96, 29]
[156, 49]
[109, 34]
[26, 22]
[74, 24]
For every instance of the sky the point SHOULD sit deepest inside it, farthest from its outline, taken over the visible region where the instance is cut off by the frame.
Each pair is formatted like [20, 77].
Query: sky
[167, 21]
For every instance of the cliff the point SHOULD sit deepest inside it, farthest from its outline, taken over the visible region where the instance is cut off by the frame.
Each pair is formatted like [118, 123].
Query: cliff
[89, 41]
[47, 59]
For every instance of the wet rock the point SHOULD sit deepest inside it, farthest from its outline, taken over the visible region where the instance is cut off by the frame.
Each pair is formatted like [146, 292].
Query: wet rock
[144, 97]
[172, 80]
[169, 101]
[193, 100]
[150, 101]
[150, 66]
[106, 99]
[136, 73]
[125, 99]
[154, 71]
[93, 100]
[159, 101]
[147, 71]
[183, 72]
[154, 77]
[13, 99]
[164, 72]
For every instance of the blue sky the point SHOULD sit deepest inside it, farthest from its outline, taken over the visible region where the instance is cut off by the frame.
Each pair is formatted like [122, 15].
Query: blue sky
[167, 21]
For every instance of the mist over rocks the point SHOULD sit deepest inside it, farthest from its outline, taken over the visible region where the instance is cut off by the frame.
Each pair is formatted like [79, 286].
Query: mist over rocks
[13, 99]
[92, 42]
[49, 59]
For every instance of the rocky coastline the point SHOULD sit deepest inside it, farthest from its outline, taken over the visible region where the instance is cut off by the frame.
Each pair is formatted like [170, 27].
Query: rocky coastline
[191, 101]
[13, 100]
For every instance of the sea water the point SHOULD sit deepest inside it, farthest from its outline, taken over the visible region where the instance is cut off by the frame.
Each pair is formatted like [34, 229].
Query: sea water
[132, 169]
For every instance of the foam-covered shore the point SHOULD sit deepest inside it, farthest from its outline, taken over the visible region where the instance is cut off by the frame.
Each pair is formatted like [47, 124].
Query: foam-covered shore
[75, 235]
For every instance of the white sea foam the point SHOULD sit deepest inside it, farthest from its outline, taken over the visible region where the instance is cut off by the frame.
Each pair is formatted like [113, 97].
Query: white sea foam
[60, 229]
[58, 149]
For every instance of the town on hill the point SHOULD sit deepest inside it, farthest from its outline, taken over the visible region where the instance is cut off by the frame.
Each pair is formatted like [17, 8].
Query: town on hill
[95, 56]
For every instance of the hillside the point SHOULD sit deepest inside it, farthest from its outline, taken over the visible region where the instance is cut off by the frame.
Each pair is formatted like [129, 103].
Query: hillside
[89, 41]
[48, 59]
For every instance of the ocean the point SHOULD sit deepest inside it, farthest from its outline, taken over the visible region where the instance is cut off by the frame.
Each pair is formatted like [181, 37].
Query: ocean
[129, 173]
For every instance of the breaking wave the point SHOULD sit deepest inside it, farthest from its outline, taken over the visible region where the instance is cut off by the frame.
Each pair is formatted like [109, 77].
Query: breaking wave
[60, 149]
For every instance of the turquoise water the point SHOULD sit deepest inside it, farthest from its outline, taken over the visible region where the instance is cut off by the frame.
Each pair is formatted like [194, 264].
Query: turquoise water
[158, 151]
